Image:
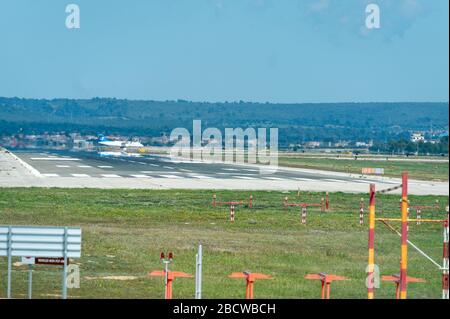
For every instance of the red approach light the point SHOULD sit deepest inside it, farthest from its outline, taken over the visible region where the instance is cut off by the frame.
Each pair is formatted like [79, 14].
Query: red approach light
[170, 255]
[162, 256]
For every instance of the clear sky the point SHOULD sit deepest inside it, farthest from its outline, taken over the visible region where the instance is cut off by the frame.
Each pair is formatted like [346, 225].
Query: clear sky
[226, 50]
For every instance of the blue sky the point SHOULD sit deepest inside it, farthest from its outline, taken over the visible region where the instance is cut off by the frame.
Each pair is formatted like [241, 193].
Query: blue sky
[226, 50]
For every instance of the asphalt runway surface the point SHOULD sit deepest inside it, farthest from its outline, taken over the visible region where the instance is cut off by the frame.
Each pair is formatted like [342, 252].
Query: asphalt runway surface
[68, 169]
[83, 164]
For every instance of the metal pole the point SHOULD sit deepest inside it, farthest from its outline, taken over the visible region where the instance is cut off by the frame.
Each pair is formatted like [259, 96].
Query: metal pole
[64, 287]
[166, 278]
[404, 238]
[198, 273]
[9, 261]
[371, 263]
[304, 215]
[361, 212]
[445, 265]
[30, 281]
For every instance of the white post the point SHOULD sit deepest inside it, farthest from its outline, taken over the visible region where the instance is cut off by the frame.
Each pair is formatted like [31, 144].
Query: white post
[445, 265]
[9, 261]
[64, 288]
[198, 273]
[30, 281]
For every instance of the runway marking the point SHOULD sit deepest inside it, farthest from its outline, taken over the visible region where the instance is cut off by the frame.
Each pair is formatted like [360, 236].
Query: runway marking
[156, 165]
[63, 166]
[84, 166]
[230, 169]
[50, 175]
[304, 179]
[169, 167]
[110, 175]
[140, 176]
[200, 176]
[104, 166]
[142, 163]
[334, 180]
[53, 159]
[171, 176]
[244, 177]
[363, 182]
[275, 178]
[80, 175]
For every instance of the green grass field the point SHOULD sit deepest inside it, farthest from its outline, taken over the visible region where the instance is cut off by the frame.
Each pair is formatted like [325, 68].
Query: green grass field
[125, 230]
[417, 170]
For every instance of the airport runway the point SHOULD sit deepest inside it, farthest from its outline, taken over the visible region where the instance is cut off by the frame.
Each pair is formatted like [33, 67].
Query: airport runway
[83, 169]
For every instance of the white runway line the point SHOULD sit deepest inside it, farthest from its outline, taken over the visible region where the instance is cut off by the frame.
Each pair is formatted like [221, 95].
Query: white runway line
[53, 159]
[304, 179]
[50, 175]
[62, 166]
[230, 169]
[142, 163]
[84, 166]
[156, 165]
[244, 177]
[200, 176]
[275, 178]
[363, 182]
[140, 176]
[169, 167]
[171, 176]
[334, 180]
[104, 166]
[110, 175]
[80, 175]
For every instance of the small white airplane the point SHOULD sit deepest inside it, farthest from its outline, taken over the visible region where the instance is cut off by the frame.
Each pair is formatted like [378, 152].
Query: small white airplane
[122, 144]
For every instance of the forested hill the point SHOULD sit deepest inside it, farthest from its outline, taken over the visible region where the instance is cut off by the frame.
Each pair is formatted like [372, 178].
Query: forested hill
[297, 122]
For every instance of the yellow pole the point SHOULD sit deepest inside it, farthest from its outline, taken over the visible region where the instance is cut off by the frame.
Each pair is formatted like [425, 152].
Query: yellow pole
[404, 238]
[371, 265]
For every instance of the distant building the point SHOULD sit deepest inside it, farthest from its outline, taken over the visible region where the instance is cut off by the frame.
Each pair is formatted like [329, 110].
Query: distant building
[361, 144]
[417, 137]
[312, 144]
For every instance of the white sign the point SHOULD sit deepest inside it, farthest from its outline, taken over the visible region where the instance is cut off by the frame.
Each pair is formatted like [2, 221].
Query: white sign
[28, 261]
[22, 241]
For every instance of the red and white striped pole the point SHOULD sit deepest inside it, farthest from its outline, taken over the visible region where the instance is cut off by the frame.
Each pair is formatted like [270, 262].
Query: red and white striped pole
[250, 203]
[445, 264]
[418, 215]
[371, 263]
[327, 202]
[361, 212]
[304, 215]
[232, 213]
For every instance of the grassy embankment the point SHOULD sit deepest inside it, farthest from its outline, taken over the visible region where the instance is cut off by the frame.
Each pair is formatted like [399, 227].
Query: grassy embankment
[125, 230]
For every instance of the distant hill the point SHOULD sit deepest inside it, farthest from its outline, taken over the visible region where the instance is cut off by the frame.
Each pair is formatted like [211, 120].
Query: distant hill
[297, 122]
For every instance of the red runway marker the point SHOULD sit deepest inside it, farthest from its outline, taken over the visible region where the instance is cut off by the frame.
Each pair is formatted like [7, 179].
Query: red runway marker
[326, 280]
[250, 280]
[396, 279]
